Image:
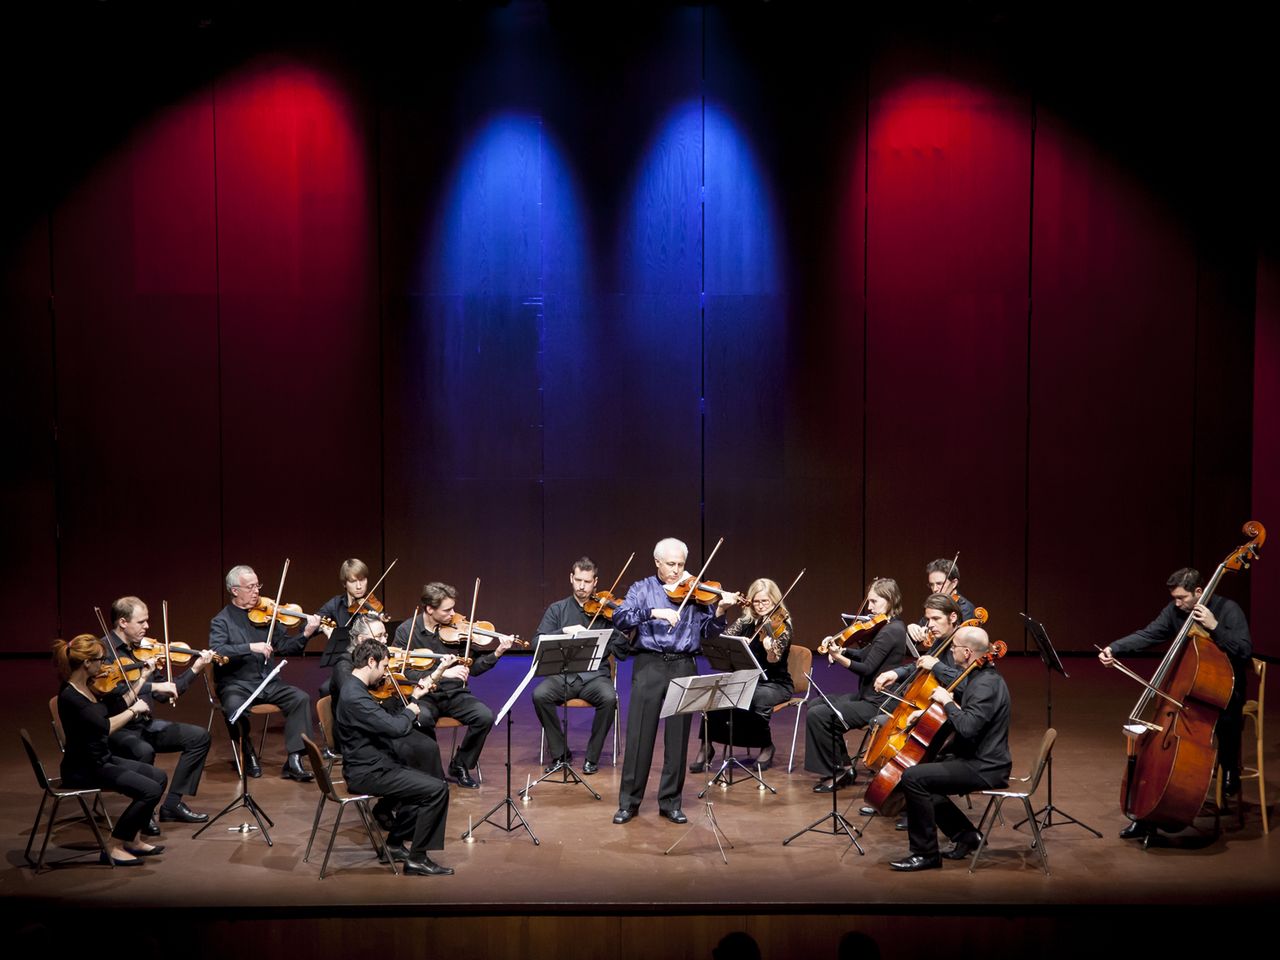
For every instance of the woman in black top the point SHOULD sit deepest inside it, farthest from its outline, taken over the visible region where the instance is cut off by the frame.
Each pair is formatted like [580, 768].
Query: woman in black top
[769, 647]
[87, 761]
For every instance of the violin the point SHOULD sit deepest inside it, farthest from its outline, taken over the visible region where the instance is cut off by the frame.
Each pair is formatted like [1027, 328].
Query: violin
[287, 614]
[706, 592]
[178, 652]
[919, 744]
[122, 670]
[368, 606]
[602, 603]
[856, 634]
[482, 634]
[391, 683]
[422, 658]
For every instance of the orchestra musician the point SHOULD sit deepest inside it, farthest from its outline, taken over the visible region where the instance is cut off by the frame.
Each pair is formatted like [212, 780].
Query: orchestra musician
[821, 727]
[943, 576]
[372, 765]
[452, 697]
[664, 647]
[569, 616]
[148, 734]
[976, 757]
[250, 652]
[87, 760]
[1225, 623]
[769, 645]
[353, 575]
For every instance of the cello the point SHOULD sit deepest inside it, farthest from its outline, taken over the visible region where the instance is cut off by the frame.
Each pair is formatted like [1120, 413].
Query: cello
[1171, 744]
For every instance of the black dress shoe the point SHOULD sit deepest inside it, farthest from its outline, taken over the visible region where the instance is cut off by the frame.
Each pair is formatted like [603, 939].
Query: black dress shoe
[588, 768]
[675, 816]
[106, 858]
[699, 765]
[464, 778]
[155, 851]
[901, 824]
[624, 814]
[917, 862]
[963, 848]
[553, 766]
[152, 829]
[181, 813]
[765, 759]
[1230, 782]
[400, 854]
[426, 867]
[251, 765]
[868, 811]
[385, 816]
[1135, 831]
[846, 778]
[330, 756]
[293, 769]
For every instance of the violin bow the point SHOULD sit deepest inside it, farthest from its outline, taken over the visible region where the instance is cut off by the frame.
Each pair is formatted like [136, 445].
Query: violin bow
[616, 581]
[696, 580]
[111, 643]
[776, 606]
[369, 593]
[952, 568]
[168, 661]
[275, 607]
[475, 595]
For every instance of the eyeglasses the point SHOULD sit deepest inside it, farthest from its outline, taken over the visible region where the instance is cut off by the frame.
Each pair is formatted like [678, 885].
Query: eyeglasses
[248, 587]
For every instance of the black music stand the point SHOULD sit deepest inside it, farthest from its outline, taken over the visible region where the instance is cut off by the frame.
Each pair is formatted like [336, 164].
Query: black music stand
[715, 691]
[245, 798]
[515, 819]
[732, 655]
[1053, 663]
[559, 655]
[839, 824]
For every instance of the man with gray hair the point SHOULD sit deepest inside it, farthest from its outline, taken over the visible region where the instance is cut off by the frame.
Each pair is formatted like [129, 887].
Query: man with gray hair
[665, 645]
[250, 651]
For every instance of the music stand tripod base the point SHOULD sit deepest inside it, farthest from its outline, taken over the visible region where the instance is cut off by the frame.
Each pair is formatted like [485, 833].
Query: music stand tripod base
[708, 820]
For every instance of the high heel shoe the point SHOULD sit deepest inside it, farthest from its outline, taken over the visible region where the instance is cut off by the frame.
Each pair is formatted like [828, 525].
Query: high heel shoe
[705, 756]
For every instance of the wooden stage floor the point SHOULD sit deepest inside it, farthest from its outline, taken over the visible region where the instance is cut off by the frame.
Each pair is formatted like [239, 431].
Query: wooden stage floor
[594, 889]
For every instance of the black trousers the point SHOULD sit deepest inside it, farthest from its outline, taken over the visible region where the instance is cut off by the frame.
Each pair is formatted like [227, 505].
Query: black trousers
[422, 805]
[295, 704]
[553, 691]
[418, 750]
[928, 788]
[142, 783]
[768, 694]
[651, 673]
[465, 707]
[820, 724]
[143, 742]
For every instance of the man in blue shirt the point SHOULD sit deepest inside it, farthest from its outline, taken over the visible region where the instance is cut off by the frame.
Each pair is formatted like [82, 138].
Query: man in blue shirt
[664, 647]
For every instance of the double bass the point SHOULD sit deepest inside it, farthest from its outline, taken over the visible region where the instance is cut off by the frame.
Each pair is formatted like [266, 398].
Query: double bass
[1172, 749]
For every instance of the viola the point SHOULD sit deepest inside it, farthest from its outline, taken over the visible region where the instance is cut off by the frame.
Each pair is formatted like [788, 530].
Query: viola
[482, 634]
[920, 744]
[287, 614]
[911, 695]
[856, 634]
[1172, 749]
[602, 603]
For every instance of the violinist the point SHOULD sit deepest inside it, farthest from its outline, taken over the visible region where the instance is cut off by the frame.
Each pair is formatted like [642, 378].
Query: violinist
[769, 645]
[148, 734]
[976, 758]
[371, 764]
[1225, 623]
[452, 698]
[569, 616]
[664, 645]
[250, 651]
[943, 576]
[886, 650]
[87, 760]
[353, 575]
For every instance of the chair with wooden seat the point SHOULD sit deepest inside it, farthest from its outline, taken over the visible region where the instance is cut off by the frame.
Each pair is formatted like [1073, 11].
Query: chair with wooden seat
[996, 798]
[579, 702]
[264, 710]
[329, 794]
[799, 664]
[51, 789]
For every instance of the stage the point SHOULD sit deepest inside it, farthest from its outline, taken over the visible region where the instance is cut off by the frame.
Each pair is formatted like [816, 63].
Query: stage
[593, 889]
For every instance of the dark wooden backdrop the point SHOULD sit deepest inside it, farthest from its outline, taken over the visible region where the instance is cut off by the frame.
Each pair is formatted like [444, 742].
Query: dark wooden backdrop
[487, 288]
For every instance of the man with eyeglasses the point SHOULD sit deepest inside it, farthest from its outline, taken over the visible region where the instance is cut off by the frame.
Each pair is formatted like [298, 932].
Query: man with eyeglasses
[569, 616]
[251, 652]
[976, 757]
